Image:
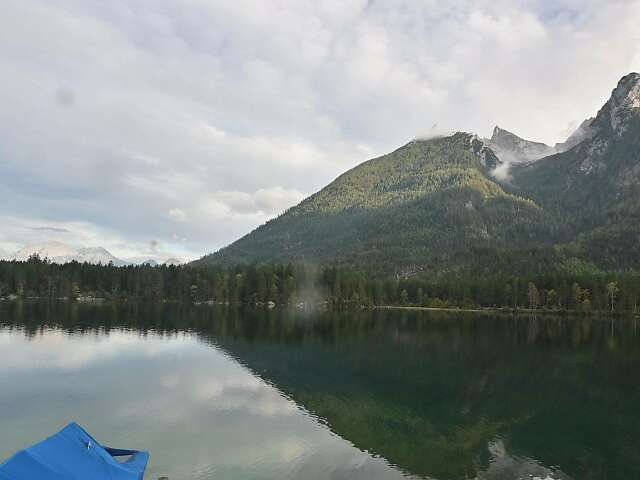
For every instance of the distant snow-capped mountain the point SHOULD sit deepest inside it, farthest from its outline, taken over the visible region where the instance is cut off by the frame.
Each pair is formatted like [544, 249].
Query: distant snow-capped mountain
[142, 260]
[58, 252]
[149, 262]
[96, 255]
[173, 261]
[48, 250]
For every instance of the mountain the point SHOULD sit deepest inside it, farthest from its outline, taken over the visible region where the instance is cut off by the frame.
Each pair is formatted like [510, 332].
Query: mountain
[439, 205]
[592, 190]
[583, 132]
[45, 250]
[96, 255]
[58, 252]
[150, 262]
[512, 149]
[419, 208]
[173, 262]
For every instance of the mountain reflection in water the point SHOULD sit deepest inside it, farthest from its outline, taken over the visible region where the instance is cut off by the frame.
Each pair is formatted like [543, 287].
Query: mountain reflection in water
[225, 393]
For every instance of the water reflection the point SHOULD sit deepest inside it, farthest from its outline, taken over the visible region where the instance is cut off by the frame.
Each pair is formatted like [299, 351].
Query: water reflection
[245, 394]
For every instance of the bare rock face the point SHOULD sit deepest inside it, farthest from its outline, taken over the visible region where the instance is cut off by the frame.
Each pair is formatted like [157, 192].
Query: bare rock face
[584, 132]
[623, 105]
[617, 121]
[513, 149]
[485, 153]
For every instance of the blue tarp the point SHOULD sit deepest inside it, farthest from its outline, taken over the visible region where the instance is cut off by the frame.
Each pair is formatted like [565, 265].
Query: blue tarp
[73, 454]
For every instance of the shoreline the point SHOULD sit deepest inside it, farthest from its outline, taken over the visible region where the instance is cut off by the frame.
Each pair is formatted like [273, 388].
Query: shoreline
[506, 311]
[89, 300]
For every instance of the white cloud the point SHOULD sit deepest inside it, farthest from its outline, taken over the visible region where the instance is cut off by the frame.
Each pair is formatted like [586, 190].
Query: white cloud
[116, 111]
[276, 199]
[501, 172]
[259, 205]
[177, 215]
[512, 32]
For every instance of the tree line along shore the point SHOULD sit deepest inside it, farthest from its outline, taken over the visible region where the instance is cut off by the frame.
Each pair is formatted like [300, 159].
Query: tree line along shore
[329, 286]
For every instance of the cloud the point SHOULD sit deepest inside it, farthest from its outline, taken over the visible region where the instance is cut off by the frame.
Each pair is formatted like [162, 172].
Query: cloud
[50, 229]
[117, 116]
[154, 245]
[276, 199]
[177, 215]
[434, 132]
[511, 31]
[65, 97]
[502, 172]
[264, 201]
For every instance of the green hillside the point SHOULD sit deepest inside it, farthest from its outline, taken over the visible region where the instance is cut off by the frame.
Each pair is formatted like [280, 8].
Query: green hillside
[421, 207]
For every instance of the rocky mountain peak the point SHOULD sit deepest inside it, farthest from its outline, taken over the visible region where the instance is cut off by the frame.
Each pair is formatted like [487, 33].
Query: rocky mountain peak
[584, 131]
[511, 148]
[617, 121]
[482, 149]
[500, 134]
[623, 105]
[627, 92]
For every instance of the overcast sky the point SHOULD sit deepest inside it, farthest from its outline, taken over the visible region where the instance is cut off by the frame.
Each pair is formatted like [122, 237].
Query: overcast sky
[174, 127]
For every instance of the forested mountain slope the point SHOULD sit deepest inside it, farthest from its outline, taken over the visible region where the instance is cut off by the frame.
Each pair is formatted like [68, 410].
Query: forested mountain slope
[436, 205]
[421, 207]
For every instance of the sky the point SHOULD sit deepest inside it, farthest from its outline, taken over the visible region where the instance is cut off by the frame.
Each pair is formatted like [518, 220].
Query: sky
[171, 128]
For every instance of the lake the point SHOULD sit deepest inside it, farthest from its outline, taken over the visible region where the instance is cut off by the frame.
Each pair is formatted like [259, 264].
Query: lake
[223, 393]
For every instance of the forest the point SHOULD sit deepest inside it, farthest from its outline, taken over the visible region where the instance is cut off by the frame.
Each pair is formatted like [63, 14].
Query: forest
[304, 285]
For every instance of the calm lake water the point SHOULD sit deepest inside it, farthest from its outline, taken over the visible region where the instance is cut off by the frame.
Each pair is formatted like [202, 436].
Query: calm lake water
[232, 394]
